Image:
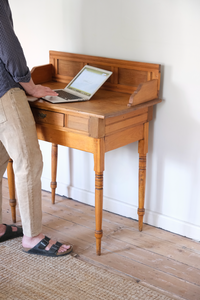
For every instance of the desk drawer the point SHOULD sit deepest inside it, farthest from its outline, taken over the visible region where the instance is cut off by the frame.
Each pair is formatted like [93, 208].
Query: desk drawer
[48, 117]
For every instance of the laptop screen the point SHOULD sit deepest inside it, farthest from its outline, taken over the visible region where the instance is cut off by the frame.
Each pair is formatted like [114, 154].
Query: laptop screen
[88, 81]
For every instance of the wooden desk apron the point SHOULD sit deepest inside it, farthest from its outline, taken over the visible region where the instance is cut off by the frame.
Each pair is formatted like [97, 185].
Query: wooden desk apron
[118, 114]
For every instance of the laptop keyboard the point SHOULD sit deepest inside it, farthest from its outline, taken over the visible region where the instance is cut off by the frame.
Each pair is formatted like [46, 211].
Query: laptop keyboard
[65, 95]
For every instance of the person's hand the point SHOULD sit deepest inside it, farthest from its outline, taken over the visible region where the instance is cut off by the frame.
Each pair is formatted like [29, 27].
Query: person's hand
[42, 91]
[37, 90]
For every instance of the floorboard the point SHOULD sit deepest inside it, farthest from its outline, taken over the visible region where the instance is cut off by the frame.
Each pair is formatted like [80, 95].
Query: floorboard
[156, 257]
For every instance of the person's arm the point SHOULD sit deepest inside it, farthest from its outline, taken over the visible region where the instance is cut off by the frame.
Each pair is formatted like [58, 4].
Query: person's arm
[12, 56]
[37, 90]
[11, 52]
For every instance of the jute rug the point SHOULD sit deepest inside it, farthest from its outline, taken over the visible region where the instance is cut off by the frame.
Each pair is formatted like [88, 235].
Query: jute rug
[24, 276]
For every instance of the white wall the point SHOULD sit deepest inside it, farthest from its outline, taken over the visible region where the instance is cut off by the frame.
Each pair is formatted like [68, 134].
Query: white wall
[165, 32]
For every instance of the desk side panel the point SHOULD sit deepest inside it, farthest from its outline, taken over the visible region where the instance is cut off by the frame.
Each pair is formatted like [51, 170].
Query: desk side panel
[126, 124]
[124, 137]
[42, 74]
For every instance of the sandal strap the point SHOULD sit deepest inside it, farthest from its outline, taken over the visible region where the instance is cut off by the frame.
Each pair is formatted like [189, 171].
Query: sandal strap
[8, 229]
[44, 243]
[10, 234]
[55, 247]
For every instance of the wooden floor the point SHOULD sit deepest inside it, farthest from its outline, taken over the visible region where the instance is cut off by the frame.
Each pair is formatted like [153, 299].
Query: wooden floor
[156, 257]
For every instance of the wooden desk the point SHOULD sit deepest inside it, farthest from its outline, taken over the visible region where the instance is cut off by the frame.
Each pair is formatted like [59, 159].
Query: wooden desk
[104, 123]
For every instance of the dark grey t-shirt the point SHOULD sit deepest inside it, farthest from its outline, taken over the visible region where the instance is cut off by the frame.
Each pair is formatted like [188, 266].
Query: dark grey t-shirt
[13, 66]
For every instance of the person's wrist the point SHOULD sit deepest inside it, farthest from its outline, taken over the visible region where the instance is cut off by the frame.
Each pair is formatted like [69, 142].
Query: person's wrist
[33, 91]
[29, 87]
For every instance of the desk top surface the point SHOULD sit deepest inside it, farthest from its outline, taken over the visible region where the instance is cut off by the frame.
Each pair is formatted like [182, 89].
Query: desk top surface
[104, 104]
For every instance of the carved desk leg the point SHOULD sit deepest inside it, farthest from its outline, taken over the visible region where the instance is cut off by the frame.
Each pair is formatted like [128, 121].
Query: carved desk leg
[98, 168]
[142, 150]
[54, 156]
[11, 187]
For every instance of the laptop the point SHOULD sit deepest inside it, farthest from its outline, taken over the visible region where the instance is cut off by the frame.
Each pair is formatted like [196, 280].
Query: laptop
[82, 87]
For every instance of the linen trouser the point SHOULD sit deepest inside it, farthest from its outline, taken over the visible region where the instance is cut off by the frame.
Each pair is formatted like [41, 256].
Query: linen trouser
[18, 140]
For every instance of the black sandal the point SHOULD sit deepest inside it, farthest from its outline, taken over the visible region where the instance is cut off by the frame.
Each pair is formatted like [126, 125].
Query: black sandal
[39, 249]
[10, 234]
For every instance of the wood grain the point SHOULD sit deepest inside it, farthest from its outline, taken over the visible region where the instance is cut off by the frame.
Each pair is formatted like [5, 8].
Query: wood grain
[145, 92]
[154, 256]
[102, 124]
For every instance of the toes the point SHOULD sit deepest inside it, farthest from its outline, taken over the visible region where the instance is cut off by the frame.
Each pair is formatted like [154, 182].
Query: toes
[62, 248]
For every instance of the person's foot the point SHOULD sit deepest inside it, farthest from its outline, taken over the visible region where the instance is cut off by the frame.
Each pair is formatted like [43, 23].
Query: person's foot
[3, 229]
[9, 232]
[30, 242]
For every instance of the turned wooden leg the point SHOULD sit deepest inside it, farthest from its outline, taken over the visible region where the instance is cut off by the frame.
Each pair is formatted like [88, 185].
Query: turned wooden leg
[99, 168]
[141, 197]
[54, 156]
[11, 187]
[98, 210]
[143, 150]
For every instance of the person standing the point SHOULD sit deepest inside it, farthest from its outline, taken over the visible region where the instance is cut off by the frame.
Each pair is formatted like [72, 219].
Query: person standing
[18, 140]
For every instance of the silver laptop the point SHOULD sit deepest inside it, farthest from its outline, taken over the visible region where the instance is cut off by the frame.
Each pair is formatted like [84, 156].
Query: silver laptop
[82, 87]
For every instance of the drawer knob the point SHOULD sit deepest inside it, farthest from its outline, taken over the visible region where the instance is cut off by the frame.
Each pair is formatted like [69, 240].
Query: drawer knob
[42, 115]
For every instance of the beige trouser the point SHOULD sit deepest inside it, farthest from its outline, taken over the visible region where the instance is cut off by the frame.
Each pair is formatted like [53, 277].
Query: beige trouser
[18, 140]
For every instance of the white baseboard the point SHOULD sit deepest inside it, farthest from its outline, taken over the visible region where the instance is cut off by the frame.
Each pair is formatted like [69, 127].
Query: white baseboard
[130, 211]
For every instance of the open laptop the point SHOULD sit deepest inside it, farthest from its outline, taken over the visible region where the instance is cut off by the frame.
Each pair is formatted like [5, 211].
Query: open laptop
[82, 87]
